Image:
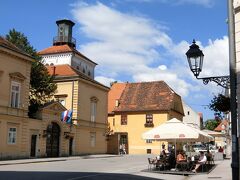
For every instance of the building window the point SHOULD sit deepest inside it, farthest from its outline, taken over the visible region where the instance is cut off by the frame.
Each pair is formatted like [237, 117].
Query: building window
[12, 135]
[149, 120]
[149, 151]
[93, 111]
[148, 141]
[92, 139]
[15, 94]
[188, 113]
[113, 121]
[124, 119]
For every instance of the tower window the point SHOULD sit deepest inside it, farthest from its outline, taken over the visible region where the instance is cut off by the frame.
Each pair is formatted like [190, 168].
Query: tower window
[89, 74]
[188, 113]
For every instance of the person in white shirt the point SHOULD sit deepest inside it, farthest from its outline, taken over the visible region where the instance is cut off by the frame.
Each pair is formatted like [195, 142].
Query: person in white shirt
[202, 160]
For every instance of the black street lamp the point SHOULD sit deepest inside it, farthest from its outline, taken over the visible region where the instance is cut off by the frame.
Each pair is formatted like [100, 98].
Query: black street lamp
[195, 60]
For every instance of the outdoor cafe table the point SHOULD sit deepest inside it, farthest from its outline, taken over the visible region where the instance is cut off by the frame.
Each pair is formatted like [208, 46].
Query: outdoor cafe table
[185, 165]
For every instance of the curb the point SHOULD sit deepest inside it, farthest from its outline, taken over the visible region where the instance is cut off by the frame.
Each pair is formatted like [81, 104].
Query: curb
[30, 162]
[40, 160]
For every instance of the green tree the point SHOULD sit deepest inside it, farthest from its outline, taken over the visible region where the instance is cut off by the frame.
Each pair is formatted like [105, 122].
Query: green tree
[211, 124]
[42, 87]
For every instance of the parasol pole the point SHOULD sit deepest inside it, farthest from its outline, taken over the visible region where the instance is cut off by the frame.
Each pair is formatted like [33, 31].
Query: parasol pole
[175, 149]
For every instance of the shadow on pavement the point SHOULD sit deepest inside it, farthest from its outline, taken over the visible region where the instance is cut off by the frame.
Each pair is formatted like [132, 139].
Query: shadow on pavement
[35, 175]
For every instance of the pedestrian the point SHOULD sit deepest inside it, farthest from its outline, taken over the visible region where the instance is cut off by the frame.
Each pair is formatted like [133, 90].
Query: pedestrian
[220, 149]
[124, 149]
[120, 149]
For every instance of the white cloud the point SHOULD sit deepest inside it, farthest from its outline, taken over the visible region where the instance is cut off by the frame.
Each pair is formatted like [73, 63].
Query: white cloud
[126, 45]
[104, 80]
[162, 67]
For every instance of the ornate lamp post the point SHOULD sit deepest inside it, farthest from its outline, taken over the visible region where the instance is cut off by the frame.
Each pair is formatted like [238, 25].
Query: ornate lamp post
[195, 60]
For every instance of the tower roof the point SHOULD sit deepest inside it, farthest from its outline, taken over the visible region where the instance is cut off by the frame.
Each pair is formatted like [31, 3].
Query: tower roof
[63, 49]
[65, 21]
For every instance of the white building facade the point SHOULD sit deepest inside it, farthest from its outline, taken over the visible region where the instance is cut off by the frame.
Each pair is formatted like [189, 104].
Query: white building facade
[191, 117]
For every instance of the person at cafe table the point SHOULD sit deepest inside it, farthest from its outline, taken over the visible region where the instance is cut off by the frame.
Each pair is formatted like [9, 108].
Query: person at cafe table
[202, 160]
[180, 157]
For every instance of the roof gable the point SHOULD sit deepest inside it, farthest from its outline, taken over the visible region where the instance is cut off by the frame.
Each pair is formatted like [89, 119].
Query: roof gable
[53, 106]
[115, 94]
[222, 126]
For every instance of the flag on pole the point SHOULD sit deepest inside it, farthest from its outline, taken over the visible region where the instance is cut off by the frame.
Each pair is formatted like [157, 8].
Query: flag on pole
[67, 116]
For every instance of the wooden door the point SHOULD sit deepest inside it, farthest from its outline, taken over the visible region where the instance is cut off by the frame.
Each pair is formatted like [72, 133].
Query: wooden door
[52, 146]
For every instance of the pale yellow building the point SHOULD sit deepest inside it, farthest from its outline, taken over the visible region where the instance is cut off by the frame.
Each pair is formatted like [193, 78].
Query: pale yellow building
[134, 108]
[22, 137]
[78, 91]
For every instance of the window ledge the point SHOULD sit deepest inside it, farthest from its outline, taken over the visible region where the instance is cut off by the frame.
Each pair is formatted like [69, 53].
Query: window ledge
[149, 125]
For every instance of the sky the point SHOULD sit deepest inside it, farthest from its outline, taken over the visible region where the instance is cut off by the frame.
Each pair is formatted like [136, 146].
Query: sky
[135, 40]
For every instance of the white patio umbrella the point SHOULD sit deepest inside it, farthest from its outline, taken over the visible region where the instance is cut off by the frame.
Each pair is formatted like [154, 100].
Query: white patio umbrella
[175, 130]
[205, 136]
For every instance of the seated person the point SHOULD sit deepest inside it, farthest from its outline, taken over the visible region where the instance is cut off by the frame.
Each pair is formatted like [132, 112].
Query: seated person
[180, 157]
[163, 154]
[202, 160]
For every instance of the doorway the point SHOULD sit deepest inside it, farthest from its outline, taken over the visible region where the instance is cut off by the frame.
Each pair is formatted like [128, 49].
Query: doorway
[124, 141]
[70, 146]
[53, 135]
[33, 145]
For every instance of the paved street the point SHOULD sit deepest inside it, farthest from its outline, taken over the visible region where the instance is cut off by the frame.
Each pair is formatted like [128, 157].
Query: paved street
[116, 167]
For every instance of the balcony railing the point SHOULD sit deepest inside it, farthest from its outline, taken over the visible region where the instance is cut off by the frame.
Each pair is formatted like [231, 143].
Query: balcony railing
[60, 40]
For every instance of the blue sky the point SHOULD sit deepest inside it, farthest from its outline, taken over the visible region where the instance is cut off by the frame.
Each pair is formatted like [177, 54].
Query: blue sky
[134, 40]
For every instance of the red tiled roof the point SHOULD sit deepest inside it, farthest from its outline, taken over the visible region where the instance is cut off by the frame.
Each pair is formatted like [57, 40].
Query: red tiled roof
[61, 70]
[56, 49]
[145, 96]
[115, 94]
[219, 127]
[62, 49]
[66, 71]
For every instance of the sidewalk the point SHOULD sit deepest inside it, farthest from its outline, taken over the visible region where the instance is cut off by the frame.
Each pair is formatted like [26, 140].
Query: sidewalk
[221, 171]
[40, 160]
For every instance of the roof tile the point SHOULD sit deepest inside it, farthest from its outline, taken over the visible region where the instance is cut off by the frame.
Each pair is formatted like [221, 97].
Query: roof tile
[143, 96]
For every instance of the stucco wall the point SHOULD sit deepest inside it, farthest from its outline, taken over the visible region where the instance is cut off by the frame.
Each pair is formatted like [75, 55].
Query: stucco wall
[135, 127]
[12, 64]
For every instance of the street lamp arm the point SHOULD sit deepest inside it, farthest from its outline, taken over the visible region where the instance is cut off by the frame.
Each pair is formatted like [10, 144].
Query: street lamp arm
[223, 81]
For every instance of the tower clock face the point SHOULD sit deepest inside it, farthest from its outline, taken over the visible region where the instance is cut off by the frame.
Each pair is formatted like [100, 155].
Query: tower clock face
[61, 29]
